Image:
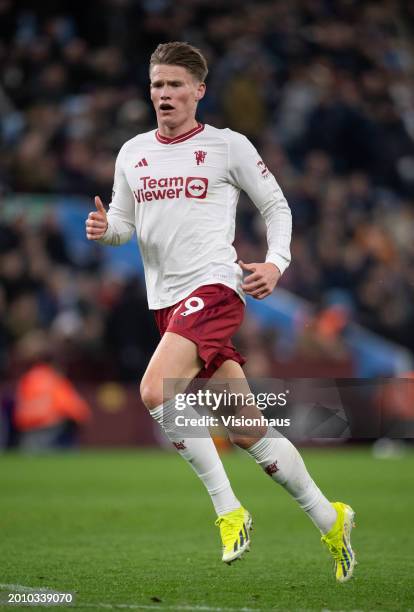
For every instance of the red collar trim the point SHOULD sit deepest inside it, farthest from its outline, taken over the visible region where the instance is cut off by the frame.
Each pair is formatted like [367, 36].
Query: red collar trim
[181, 138]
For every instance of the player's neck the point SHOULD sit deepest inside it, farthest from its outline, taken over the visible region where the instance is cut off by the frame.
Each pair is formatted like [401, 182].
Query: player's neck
[179, 130]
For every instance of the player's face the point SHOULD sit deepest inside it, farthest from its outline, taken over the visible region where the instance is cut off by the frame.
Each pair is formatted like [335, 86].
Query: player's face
[175, 94]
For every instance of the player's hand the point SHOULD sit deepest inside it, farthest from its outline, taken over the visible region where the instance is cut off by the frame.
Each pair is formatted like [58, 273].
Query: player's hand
[262, 279]
[97, 222]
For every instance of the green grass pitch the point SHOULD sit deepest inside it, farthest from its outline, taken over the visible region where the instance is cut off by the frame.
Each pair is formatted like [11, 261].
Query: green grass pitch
[135, 530]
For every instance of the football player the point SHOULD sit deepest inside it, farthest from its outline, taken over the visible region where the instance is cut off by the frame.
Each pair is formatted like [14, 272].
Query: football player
[177, 188]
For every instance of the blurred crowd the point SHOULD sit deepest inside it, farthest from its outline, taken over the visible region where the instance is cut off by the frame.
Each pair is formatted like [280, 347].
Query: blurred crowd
[94, 325]
[324, 89]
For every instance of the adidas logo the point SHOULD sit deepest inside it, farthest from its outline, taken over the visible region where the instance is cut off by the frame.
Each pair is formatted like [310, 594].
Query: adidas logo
[141, 163]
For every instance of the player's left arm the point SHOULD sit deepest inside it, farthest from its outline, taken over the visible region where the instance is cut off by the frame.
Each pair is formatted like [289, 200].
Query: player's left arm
[261, 280]
[248, 172]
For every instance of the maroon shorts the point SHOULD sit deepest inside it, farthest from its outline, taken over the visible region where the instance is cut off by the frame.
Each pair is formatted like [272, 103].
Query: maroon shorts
[209, 317]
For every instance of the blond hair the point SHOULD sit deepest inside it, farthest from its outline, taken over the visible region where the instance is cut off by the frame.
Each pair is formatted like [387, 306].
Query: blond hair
[181, 54]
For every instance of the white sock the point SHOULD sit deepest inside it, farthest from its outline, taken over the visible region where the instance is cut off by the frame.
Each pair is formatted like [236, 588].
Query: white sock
[200, 453]
[280, 459]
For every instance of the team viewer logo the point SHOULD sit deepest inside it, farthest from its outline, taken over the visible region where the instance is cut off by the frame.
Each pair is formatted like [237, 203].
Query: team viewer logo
[196, 187]
[170, 188]
[200, 157]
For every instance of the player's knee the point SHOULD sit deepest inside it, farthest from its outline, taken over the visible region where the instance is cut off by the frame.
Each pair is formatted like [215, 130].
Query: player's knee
[151, 394]
[244, 441]
[241, 441]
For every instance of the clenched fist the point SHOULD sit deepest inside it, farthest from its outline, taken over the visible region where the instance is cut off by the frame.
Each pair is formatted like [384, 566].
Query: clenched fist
[96, 223]
[262, 279]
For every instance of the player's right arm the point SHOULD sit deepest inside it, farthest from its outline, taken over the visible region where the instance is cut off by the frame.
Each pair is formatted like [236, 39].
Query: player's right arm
[116, 226]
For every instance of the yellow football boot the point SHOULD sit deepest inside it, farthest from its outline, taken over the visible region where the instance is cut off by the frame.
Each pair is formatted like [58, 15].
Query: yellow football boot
[234, 530]
[338, 541]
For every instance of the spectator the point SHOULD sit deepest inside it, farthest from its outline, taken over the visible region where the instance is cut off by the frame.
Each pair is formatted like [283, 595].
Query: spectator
[48, 410]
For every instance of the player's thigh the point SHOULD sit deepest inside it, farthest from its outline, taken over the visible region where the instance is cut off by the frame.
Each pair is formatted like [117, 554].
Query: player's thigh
[230, 378]
[175, 357]
[232, 373]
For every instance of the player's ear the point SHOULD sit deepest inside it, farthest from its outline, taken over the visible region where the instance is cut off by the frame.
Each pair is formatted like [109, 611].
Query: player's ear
[201, 90]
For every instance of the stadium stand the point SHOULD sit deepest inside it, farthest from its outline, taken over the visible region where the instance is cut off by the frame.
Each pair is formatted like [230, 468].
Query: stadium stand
[324, 89]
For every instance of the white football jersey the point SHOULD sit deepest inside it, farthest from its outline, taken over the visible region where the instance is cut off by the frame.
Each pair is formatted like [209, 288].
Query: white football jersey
[180, 195]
